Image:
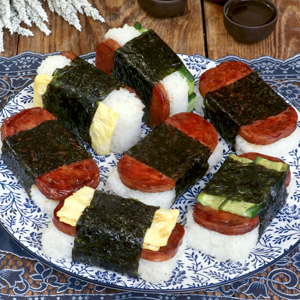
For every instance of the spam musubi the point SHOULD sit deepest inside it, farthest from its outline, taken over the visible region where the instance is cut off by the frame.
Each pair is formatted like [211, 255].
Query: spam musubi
[45, 156]
[118, 234]
[142, 60]
[171, 158]
[97, 108]
[236, 206]
[247, 112]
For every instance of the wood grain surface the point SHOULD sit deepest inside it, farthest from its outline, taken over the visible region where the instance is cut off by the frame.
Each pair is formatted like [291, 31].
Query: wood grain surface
[283, 43]
[199, 30]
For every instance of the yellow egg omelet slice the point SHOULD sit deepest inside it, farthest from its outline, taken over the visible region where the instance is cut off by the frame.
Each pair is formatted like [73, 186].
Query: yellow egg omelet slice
[102, 128]
[75, 205]
[40, 85]
[161, 228]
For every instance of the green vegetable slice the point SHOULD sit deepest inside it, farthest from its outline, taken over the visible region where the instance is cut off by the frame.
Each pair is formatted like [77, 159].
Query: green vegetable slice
[192, 97]
[187, 74]
[139, 27]
[247, 188]
[243, 160]
[241, 208]
[192, 100]
[210, 200]
[272, 165]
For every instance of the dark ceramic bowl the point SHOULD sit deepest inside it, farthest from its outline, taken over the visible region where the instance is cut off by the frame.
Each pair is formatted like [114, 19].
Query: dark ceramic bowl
[163, 8]
[218, 1]
[250, 21]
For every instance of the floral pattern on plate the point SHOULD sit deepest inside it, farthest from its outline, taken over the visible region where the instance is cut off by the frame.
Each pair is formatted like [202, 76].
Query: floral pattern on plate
[25, 222]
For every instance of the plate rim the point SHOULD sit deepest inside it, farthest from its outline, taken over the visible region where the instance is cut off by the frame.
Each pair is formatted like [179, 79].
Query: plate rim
[214, 285]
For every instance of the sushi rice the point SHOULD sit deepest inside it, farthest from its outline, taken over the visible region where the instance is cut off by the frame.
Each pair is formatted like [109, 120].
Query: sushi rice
[216, 156]
[278, 149]
[177, 91]
[163, 199]
[122, 35]
[128, 128]
[51, 63]
[156, 272]
[221, 246]
[46, 205]
[57, 244]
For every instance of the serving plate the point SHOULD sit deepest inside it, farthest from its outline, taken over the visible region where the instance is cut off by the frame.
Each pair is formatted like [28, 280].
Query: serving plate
[24, 221]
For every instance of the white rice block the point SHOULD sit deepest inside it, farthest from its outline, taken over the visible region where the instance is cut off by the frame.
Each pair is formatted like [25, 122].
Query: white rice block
[46, 205]
[56, 244]
[157, 272]
[128, 129]
[51, 63]
[177, 90]
[216, 156]
[221, 246]
[163, 199]
[277, 149]
[122, 35]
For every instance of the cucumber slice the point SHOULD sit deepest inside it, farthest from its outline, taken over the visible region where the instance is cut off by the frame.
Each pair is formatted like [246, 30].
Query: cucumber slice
[210, 200]
[272, 165]
[187, 74]
[191, 102]
[241, 159]
[139, 27]
[241, 208]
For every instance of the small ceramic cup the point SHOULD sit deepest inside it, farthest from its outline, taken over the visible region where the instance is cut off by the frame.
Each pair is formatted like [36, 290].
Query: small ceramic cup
[218, 1]
[163, 8]
[250, 21]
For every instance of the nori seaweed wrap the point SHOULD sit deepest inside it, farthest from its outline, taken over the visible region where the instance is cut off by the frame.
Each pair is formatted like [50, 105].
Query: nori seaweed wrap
[74, 93]
[174, 154]
[37, 151]
[241, 103]
[111, 231]
[249, 182]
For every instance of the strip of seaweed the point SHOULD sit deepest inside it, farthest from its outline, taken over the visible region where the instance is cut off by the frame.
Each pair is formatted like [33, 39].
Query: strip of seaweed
[46, 147]
[111, 231]
[74, 93]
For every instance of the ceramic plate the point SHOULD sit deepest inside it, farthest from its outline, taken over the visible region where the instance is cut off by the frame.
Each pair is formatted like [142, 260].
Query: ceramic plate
[25, 222]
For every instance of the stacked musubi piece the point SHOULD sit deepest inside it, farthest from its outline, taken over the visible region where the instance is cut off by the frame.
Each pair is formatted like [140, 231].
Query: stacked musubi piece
[247, 113]
[139, 58]
[97, 108]
[236, 206]
[118, 234]
[167, 162]
[42, 153]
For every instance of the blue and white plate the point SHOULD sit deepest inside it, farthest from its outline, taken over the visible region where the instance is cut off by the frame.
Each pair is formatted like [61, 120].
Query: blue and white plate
[24, 221]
